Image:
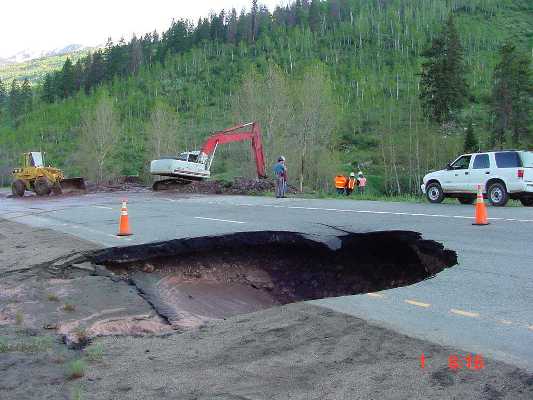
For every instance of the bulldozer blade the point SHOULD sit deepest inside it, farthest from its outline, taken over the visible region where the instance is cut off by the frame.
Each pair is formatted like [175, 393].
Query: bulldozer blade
[73, 184]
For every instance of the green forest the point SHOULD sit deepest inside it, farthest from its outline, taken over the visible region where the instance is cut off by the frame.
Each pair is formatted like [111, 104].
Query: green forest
[394, 88]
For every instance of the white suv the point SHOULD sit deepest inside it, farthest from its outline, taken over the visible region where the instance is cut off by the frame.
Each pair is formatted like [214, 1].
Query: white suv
[502, 175]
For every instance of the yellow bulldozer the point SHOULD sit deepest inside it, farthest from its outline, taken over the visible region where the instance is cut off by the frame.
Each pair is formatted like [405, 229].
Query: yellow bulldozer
[35, 177]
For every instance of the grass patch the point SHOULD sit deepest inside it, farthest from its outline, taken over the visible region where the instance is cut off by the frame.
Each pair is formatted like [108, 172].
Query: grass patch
[19, 318]
[4, 346]
[52, 297]
[77, 393]
[69, 307]
[33, 345]
[76, 369]
[94, 352]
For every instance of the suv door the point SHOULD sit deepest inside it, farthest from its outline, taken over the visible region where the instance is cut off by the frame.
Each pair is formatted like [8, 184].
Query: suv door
[480, 172]
[458, 173]
[508, 164]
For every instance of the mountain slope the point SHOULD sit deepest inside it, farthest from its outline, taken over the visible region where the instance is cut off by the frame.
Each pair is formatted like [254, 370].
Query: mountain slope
[34, 66]
[221, 70]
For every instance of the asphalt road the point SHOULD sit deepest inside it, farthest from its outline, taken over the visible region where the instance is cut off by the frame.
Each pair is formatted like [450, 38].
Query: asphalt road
[483, 306]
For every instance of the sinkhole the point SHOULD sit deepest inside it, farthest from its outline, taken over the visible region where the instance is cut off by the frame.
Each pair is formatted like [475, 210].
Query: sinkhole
[194, 280]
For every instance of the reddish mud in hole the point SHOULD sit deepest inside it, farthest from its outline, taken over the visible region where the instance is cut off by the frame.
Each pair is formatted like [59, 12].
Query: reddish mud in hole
[190, 281]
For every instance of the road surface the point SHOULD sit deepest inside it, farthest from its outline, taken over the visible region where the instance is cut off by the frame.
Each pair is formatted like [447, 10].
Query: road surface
[483, 305]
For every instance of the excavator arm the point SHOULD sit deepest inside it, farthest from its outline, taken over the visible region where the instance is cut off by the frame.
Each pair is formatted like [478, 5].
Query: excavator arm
[235, 134]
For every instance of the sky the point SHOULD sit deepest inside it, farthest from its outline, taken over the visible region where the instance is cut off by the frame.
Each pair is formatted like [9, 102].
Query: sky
[40, 25]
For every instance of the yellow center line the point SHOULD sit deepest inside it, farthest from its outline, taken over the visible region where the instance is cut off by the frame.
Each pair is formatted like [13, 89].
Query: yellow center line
[374, 295]
[418, 303]
[465, 313]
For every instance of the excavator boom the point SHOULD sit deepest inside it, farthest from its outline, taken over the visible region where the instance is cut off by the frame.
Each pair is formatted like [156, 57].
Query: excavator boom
[232, 135]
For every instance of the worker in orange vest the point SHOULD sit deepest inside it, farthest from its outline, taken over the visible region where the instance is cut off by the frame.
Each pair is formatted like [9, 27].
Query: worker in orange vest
[351, 184]
[361, 182]
[340, 184]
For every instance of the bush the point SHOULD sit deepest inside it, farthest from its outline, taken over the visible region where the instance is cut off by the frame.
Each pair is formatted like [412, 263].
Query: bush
[76, 369]
[95, 352]
[52, 297]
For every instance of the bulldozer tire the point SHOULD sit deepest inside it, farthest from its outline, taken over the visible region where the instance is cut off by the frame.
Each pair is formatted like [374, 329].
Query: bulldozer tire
[18, 188]
[56, 189]
[42, 186]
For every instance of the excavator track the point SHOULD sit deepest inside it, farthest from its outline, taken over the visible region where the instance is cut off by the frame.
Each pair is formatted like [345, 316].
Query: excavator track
[169, 184]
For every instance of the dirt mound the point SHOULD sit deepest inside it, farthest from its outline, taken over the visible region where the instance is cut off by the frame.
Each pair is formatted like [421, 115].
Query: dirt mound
[239, 185]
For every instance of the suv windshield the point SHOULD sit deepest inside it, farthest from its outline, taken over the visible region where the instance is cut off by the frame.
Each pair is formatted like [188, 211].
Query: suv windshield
[527, 159]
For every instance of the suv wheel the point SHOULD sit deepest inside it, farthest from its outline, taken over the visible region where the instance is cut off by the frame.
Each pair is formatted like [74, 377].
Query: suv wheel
[497, 194]
[527, 201]
[434, 193]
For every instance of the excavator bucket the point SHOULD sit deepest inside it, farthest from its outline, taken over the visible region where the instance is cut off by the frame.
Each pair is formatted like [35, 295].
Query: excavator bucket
[71, 184]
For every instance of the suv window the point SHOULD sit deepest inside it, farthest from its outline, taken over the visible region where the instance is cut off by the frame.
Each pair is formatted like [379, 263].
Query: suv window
[508, 159]
[462, 163]
[481, 161]
[527, 159]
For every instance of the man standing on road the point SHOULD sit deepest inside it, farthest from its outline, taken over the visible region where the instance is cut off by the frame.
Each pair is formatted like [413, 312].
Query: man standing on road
[361, 182]
[280, 172]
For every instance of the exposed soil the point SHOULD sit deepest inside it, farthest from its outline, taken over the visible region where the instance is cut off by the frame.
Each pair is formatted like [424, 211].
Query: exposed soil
[239, 186]
[246, 272]
[57, 304]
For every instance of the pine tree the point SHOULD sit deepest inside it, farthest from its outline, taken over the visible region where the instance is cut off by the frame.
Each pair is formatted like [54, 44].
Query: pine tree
[15, 108]
[97, 71]
[314, 15]
[471, 144]
[47, 94]
[254, 20]
[67, 81]
[26, 96]
[512, 96]
[444, 90]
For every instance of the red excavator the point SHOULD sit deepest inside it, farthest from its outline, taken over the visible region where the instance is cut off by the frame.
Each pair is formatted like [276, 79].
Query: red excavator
[196, 165]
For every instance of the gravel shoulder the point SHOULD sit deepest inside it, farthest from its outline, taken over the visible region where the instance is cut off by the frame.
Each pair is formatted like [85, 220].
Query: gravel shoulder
[298, 351]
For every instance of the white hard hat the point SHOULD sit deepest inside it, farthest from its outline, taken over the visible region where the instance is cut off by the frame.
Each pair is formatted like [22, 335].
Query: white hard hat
[360, 173]
[352, 174]
[281, 158]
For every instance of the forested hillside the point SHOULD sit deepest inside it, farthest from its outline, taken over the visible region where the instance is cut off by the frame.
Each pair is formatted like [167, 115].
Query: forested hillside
[335, 84]
[35, 70]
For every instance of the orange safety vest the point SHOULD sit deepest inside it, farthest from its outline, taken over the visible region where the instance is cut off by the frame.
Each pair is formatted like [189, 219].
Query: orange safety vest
[340, 182]
[352, 182]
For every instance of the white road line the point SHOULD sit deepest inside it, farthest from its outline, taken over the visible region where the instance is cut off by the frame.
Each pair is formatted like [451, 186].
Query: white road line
[167, 199]
[375, 295]
[505, 322]
[386, 212]
[418, 303]
[103, 207]
[465, 313]
[221, 220]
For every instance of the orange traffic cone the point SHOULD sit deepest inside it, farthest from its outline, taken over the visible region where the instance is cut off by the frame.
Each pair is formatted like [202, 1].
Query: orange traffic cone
[124, 224]
[481, 210]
